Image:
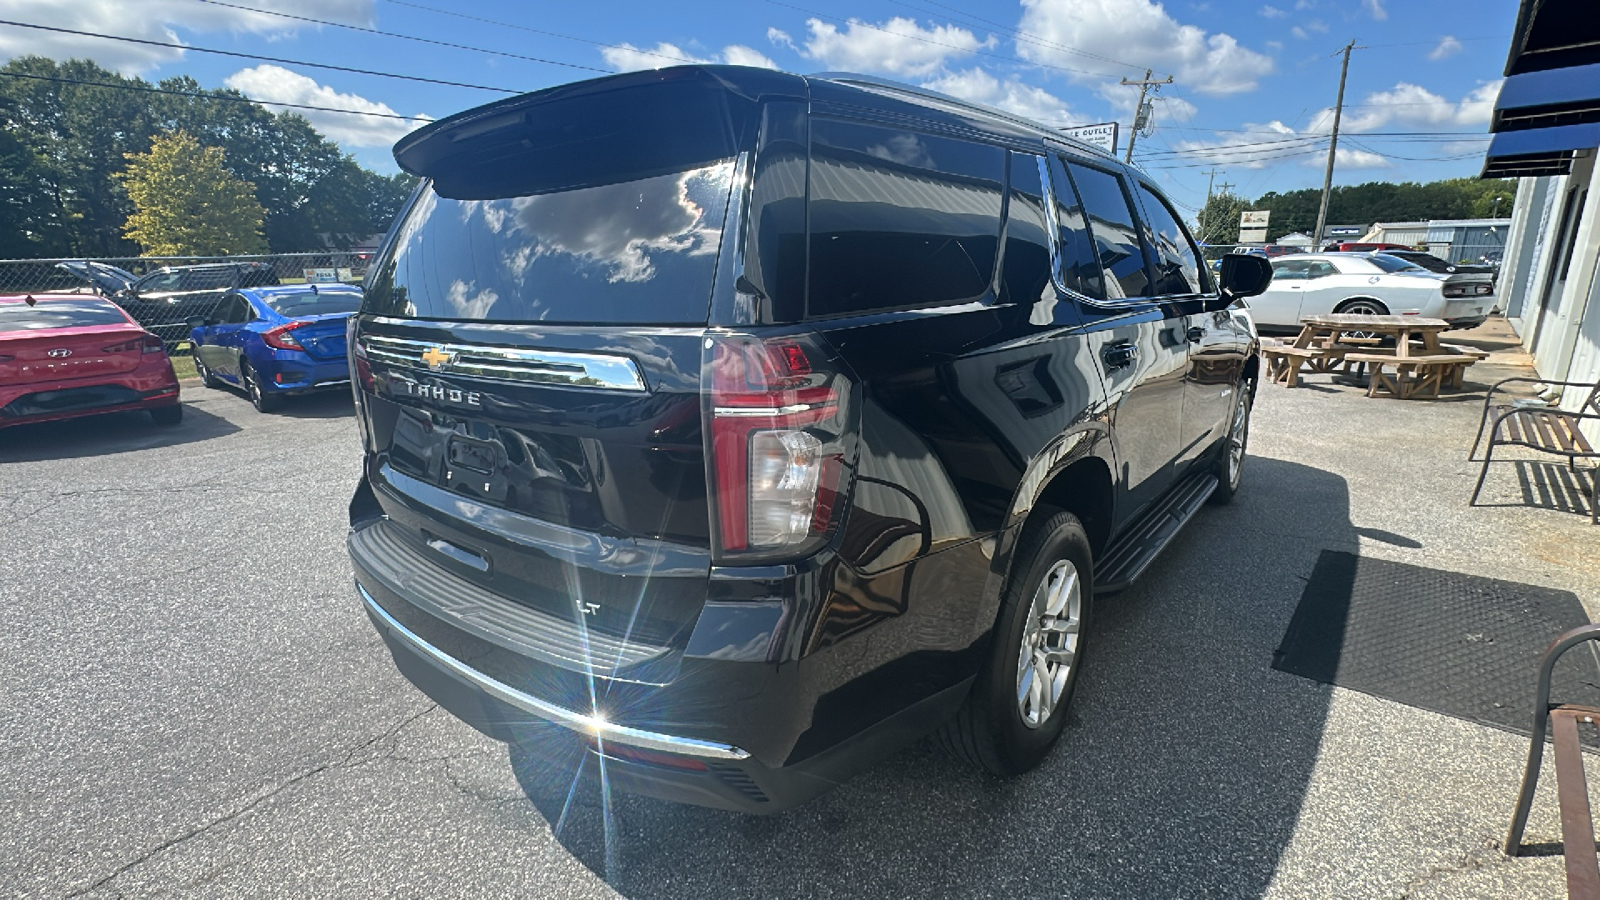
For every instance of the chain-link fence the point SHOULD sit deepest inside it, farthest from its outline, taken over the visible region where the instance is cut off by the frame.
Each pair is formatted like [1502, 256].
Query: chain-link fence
[163, 293]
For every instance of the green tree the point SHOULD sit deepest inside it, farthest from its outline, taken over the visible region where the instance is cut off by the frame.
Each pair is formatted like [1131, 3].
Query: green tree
[187, 203]
[1219, 221]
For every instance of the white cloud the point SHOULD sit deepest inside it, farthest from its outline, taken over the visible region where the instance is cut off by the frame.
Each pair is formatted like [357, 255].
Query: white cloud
[1298, 32]
[1011, 95]
[897, 47]
[1376, 8]
[781, 38]
[1304, 4]
[1213, 63]
[1410, 105]
[1350, 158]
[1272, 12]
[150, 20]
[1448, 47]
[628, 58]
[275, 83]
[740, 55]
[1477, 108]
[1254, 148]
[1274, 45]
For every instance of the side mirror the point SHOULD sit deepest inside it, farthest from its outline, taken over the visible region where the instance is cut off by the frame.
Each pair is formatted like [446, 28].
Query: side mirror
[196, 322]
[1243, 276]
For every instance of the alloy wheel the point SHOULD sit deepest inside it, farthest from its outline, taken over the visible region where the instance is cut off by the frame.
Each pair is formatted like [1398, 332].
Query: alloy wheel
[1049, 643]
[1238, 436]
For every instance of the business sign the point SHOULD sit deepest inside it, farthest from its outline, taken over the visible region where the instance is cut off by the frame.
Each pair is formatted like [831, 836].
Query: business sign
[1252, 235]
[1254, 218]
[1336, 231]
[1103, 135]
[322, 276]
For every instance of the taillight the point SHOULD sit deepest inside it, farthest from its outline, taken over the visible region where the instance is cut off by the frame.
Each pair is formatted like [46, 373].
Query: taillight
[780, 443]
[148, 343]
[152, 344]
[1455, 290]
[281, 338]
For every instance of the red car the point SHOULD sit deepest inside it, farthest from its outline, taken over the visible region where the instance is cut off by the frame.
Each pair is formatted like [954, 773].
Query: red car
[65, 356]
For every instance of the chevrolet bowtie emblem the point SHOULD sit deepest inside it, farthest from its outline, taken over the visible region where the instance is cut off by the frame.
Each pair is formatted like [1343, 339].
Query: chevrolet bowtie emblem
[436, 357]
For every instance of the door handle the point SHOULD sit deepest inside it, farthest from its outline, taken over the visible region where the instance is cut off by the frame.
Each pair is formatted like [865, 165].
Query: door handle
[1120, 355]
[1196, 334]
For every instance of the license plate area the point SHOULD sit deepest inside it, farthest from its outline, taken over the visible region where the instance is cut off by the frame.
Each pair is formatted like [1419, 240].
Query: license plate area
[476, 456]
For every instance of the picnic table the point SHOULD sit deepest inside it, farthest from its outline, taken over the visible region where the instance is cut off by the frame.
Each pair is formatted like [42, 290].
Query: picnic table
[1422, 364]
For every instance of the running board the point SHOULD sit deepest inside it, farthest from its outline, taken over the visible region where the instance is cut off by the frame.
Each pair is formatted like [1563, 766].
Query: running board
[1133, 552]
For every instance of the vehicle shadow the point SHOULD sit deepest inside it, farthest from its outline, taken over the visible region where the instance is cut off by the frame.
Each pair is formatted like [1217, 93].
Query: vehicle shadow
[120, 432]
[1182, 771]
[329, 404]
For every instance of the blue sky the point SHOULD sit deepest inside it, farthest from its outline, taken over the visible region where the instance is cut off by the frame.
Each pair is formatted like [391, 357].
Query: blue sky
[1253, 82]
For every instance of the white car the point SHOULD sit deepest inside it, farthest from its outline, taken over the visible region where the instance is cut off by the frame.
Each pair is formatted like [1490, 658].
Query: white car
[1306, 284]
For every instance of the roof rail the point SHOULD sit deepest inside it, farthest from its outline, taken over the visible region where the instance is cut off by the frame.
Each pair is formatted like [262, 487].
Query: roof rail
[925, 94]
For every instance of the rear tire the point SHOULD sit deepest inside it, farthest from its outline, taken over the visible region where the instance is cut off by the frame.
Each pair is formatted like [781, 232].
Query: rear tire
[167, 415]
[1362, 306]
[1018, 705]
[1229, 465]
[259, 398]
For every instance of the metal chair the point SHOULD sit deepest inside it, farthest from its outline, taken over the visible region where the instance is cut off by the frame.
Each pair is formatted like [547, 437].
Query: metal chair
[1572, 788]
[1544, 429]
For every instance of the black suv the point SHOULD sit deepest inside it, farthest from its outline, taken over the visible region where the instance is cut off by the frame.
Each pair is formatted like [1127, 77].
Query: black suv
[726, 430]
[165, 299]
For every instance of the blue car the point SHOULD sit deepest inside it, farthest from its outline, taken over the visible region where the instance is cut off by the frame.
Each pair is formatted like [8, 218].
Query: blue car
[274, 342]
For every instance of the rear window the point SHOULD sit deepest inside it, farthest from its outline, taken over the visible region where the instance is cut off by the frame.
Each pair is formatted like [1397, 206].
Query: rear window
[1394, 264]
[306, 303]
[605, 208]
[58, 314]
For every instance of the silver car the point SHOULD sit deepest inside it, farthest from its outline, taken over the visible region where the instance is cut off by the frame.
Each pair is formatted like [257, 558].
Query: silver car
[1374, 284]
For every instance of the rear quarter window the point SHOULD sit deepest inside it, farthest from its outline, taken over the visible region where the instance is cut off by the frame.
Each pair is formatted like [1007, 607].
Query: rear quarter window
[900, 219]
[1115, 229]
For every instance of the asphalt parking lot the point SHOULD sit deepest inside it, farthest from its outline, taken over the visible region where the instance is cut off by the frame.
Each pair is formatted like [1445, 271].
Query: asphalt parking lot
[196, 705]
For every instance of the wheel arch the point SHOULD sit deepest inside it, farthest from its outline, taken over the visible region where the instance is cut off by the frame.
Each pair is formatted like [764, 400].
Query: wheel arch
[1349, 300]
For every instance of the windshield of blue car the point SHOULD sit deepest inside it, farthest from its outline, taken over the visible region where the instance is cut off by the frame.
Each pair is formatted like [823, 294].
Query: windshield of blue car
[59, 314]
[1393, 264]
[306, 303]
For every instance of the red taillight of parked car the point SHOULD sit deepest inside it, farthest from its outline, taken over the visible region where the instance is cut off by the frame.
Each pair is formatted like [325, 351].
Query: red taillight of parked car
[780, 444]
[1469, 289]
[281, 338]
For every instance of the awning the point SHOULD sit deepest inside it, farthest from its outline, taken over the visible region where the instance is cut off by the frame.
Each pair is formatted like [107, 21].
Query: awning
[1548, 98]
[1539, 151]
[1554, 34]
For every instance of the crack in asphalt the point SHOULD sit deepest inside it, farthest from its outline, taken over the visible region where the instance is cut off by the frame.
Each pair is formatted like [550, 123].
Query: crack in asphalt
[348, 761]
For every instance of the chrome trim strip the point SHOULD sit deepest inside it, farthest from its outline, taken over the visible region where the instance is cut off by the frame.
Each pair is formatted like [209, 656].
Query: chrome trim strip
[593, 726]
[766, 411]
[588, 370]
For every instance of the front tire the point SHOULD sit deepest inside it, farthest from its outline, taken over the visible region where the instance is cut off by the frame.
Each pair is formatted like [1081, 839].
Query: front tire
[1229, 465]
[259, 398]
[207, 378]
[1018, 705]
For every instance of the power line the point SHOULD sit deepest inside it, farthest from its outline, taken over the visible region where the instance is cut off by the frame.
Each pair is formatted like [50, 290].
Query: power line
[273, 59]
[146, 89]
[1256, 158]
[405, 37]
[555, 34]
[912, 37]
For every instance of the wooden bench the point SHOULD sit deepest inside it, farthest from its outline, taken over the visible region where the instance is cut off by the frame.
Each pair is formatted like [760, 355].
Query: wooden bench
[1285, 360]
[1414, 376]
[1459, 377]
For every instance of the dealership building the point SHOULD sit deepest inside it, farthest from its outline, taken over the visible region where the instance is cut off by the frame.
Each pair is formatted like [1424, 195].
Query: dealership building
[1546, 129]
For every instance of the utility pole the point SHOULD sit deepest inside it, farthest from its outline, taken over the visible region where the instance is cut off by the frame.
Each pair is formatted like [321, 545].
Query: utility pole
[1211, 175]
[1141, 113]
[1333, 146]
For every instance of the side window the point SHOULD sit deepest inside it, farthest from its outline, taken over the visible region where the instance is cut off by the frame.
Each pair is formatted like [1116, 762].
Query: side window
[1079, 264]
[234, 310]
[900, 219]
[1290, 270]
[1177, 261]
[166, 281]
[1321, 269]
[1025, 275]
[1116, 234]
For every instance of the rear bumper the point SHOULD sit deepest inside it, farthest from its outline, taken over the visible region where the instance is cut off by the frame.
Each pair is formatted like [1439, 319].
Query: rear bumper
[744, 734]
[289, 372]
[70, 402]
